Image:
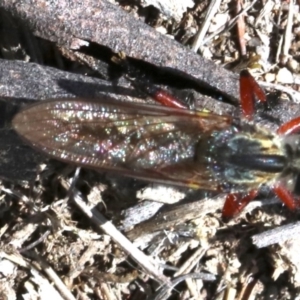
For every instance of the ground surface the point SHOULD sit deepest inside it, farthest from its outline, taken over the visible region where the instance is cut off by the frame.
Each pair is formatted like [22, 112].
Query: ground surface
[55, 241]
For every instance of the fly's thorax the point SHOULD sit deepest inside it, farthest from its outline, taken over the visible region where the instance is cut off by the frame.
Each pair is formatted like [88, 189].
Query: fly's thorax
[243, 157]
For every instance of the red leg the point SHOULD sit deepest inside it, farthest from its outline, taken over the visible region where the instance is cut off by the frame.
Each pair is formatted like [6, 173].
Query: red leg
[289, 127]
[166, 99]
[249, 92]
[286, 197]
[136, 76]
[235, 203]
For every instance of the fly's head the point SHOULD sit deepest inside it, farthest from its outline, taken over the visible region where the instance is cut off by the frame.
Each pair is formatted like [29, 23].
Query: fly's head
[291, 175]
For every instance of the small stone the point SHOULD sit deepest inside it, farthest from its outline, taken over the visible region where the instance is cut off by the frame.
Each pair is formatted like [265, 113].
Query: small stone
[284, 76]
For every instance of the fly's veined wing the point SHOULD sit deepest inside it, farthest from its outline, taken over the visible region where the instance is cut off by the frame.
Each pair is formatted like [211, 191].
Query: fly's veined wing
[149, 142]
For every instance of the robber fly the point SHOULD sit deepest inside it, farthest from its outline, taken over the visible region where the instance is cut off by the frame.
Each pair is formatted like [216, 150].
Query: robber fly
[170, 144]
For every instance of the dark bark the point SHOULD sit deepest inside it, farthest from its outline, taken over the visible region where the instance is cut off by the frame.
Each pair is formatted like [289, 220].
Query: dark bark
[73, 24]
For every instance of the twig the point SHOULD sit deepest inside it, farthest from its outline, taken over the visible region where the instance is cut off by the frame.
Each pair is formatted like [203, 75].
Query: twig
[277, 235]
[46, 289]
[212, 9]
[105, 292]
[144, 261]
[169, 218]
[241, 29]
[39, 240]
[40, 263]
[229, 25]
[288, 32]
[189, 264]
[266, 10]
[278, 36]
[164, 292]
[191, 261]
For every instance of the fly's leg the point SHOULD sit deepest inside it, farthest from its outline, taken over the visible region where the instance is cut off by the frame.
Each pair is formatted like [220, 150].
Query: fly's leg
[142, 83]
[235, 203]
[161, 96]
[292, 126]
[286, 197]
[250, 92]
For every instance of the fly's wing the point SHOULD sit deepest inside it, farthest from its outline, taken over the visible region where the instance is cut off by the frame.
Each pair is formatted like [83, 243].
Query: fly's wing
[148, 142]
